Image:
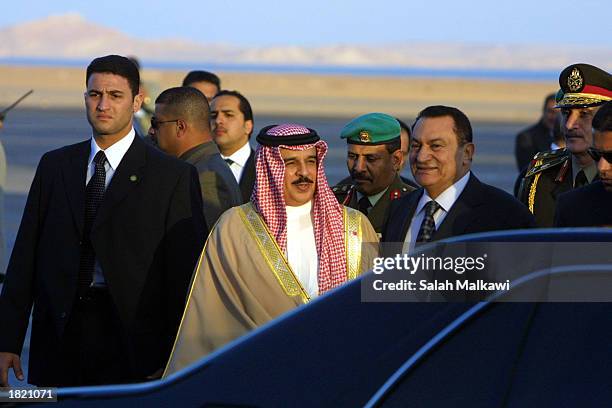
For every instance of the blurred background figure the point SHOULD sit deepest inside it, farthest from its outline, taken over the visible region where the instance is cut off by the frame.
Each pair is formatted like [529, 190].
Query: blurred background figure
[536, 138]
[142, 118]
[405, 133]
[558, 139]
[231, 121]
[206, 82]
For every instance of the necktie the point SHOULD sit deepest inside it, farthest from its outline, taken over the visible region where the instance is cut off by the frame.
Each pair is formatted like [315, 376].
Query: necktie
[229, 162]
[581, 179]
[364, 204]
[428, 226]
[94, 193]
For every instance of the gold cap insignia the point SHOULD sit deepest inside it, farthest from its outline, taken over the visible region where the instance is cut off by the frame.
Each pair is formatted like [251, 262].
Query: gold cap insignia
[574, 80]
[364, 136]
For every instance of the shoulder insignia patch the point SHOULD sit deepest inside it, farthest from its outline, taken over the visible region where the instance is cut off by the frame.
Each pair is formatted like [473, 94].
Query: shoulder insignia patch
[546, 160]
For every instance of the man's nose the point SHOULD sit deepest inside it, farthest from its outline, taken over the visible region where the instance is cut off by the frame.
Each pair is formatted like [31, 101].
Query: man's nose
[571, 121]
[103, 103]
[422, 155]
[359, 165]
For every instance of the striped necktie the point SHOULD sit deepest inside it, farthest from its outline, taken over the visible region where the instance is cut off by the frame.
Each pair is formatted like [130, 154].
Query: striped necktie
[94, 193]
[428, 226]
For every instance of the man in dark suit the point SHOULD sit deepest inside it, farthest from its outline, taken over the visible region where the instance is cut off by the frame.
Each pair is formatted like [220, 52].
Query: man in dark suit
[181, 128]
[231, 120]
[591, 206]
[373, 160]
[452, 201]
[106, 248]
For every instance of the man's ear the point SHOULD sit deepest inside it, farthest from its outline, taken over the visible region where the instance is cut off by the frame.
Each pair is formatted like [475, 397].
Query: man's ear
[248, 126]
[181, 128]
[468, 153]
[396, 159]
[137, 102]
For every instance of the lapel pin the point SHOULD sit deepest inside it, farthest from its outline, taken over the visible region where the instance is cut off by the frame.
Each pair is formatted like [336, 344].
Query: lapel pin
[133, 177]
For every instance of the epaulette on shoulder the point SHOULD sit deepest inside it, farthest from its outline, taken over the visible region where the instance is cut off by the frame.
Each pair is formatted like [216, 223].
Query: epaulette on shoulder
[340, 189]
[546, 160]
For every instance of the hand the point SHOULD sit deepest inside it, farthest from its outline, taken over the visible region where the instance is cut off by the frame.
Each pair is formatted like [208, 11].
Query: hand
[8, 360]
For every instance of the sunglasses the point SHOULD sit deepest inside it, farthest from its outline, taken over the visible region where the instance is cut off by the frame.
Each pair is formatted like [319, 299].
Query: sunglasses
[155, 123]
[598, 154]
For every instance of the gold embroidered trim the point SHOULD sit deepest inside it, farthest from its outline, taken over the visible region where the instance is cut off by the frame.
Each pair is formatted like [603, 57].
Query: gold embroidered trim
[272, 253]
[582, 99]
[352, 241]
[532, 193]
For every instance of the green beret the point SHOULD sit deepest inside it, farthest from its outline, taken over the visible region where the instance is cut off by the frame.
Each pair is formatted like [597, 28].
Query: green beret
[371, 129]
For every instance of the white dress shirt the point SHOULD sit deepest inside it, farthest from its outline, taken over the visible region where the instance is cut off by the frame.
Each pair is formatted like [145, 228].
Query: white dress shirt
[301, 247]
[114, 154]
[239, 159]
[445, 200]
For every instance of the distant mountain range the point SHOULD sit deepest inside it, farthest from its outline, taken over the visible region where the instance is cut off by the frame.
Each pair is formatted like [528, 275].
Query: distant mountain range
[70, 36]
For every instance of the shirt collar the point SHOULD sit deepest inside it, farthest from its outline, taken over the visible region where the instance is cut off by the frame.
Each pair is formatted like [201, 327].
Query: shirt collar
[240, 156]
[115, 152]
[590, 171]
[373, 198]
[448, 196]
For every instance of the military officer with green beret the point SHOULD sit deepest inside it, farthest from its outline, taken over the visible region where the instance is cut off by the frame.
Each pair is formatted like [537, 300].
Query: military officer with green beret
[373, 160]
[584, 88]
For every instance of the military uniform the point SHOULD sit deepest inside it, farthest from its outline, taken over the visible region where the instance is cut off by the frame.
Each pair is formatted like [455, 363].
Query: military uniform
[550, 173]
[372, 129]
[346, 193]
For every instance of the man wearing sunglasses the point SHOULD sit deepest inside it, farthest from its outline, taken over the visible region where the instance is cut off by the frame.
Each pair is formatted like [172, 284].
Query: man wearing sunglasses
[584, 88]
[181, 128]
[592, 205]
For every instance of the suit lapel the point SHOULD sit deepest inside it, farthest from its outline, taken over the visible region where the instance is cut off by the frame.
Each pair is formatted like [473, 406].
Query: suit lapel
[248, 177]
[462, 212]
[74, 172]
[127, 176]
[406, 212]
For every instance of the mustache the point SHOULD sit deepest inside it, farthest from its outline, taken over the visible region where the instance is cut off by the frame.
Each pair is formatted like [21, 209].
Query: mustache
[303, 179]
[360, 176]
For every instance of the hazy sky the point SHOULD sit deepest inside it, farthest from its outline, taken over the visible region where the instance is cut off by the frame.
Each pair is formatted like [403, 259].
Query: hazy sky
[317, 22]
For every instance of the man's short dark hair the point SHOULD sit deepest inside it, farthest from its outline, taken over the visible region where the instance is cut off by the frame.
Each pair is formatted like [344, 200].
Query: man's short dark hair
[118, 65]
[602, 121]
[393, 146]
[462, 127]
[202, 76]
[188, 104]
[243, 104]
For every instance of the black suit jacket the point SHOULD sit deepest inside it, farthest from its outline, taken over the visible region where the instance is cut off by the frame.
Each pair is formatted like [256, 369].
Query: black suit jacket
[479, 208]
[147, 235]
[247, 180]
[588, 206]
